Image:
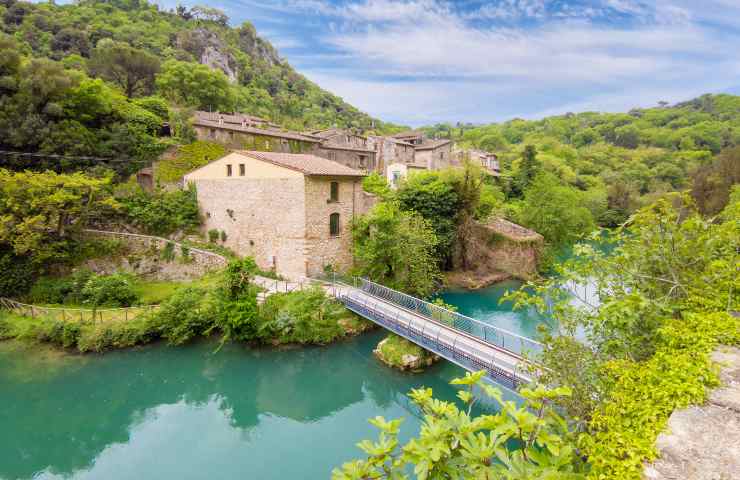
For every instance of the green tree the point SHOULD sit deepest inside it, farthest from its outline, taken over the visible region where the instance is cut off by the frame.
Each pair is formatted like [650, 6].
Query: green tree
[40, 212]
[131, 69]
[528, 169]
[555, 211]
[396, 248]
[195, 85]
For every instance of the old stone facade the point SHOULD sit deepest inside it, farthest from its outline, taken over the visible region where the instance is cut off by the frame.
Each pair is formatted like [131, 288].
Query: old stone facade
[434, 154]
[245, 132]
[390, 151]
[487, 160]
[292, 213]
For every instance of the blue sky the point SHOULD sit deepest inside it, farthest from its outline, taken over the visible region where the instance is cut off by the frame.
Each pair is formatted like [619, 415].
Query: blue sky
[426, 61]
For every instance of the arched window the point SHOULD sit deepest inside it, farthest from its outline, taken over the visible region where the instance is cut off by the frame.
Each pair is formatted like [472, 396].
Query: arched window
[334, 224]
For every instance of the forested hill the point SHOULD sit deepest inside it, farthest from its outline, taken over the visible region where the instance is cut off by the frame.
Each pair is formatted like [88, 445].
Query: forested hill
[51, 57]
[624, 160]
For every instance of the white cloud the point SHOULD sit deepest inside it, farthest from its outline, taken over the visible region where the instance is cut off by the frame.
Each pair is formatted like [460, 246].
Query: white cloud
[422, 61]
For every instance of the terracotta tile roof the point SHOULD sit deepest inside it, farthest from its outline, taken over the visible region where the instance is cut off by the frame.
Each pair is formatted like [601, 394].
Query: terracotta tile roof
[409, 133]
[257, 131]
[307, 164]
[432, 144]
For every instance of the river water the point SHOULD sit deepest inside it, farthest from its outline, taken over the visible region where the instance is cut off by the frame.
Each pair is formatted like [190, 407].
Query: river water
[159, 412]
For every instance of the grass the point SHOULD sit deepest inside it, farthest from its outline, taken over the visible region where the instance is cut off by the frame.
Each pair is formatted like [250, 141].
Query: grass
[395, 347]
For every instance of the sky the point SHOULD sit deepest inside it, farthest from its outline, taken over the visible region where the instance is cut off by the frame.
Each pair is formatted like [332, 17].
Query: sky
[420, 62]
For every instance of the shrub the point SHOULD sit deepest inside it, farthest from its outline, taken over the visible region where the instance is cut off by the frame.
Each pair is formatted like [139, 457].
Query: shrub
[237, 318]
[213, 235]
[184, 316]
[109, 290]
[18, 273]
[168, 252]
[238, 277]
[307, 316]
[223, 236]
[108, 335]
[50, 290]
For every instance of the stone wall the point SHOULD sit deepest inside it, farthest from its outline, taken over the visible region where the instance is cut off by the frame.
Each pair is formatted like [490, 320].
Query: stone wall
[349, 158]
[321, 248]
[252, 141]
[262, 217]
[143, 255]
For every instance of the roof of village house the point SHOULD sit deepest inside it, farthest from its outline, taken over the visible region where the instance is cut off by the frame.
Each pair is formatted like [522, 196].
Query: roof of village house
[237, 118]
[432, 144]
[329, 146]
[306, 164]
[391, 139]
[408, 134]
[330, 132]
[204, 122]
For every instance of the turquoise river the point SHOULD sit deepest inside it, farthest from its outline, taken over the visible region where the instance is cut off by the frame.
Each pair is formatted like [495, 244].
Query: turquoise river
[160, 412]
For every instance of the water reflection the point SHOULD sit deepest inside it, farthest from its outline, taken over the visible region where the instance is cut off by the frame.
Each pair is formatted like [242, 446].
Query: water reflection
[160, 412]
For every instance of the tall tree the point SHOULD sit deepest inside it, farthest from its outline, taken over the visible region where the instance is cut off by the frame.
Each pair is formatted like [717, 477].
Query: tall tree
[131, 69]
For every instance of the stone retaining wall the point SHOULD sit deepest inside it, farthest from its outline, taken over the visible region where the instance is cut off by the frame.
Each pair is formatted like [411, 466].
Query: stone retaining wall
[144, 256]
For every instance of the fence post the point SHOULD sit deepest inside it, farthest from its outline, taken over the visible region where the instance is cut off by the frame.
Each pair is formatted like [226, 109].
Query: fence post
[125, 314]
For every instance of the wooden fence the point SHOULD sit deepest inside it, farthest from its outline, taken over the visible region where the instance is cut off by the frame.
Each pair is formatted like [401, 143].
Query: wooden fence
[74, 314]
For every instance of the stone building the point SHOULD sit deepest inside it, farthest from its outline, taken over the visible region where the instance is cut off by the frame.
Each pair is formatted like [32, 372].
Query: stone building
[291, 212]
[393, 157]
[245, 132]
[487, 160]
[346, 147]
[434, 154]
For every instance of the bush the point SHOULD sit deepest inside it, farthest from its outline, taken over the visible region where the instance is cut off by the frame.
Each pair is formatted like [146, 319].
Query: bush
[115, 290]
[238, 277]
[213, 235]
[109, 335]
[18, 274]
[307, 316]
[184, 316]
[50, 290]
[60, 290]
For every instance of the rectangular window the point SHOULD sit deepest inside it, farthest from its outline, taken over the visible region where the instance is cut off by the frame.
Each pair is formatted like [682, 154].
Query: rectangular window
[228, 170]
[334, 224]
[363, 161]
[242, 170]
[334, 192]
[332, 156]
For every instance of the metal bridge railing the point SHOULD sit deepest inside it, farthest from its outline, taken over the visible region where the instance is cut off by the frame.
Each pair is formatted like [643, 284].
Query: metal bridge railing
[488, 333]
[440, 341]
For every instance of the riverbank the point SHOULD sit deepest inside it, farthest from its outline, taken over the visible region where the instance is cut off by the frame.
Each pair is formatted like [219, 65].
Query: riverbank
[703, 442]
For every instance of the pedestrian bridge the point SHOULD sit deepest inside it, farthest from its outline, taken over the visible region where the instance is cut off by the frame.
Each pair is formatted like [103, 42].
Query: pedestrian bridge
[506, 357]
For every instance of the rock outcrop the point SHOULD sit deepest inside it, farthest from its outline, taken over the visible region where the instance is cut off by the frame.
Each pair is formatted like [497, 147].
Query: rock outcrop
[498, 250]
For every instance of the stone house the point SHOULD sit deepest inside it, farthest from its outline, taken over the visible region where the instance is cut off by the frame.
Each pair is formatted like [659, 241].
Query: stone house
[346, 147]
[393, 157]
[487, 160]
[291, 212]
[435, 154]
[245, 132]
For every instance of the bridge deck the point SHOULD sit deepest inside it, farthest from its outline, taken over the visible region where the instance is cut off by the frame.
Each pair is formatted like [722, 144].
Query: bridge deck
[459, 347]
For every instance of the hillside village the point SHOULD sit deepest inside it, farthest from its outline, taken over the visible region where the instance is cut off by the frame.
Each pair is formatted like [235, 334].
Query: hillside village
[288, 198]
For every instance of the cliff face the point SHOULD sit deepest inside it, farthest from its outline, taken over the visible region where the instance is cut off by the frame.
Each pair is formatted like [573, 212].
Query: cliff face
[498, 250]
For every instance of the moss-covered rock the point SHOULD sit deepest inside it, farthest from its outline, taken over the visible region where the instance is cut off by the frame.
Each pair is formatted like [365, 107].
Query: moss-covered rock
[399, 353]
